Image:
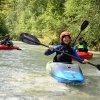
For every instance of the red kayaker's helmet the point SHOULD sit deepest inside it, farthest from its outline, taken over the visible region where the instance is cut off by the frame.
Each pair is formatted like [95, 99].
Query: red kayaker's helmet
[65, 33]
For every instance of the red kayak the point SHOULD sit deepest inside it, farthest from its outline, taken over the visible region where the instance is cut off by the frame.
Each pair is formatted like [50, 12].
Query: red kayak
[4, 47]
[85, 55]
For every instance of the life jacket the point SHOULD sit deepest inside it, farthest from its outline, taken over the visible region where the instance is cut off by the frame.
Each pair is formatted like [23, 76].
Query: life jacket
[7, 42]
[80, 46]
[61, 57]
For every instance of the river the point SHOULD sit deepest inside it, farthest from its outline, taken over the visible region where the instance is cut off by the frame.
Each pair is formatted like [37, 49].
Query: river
[23, 76]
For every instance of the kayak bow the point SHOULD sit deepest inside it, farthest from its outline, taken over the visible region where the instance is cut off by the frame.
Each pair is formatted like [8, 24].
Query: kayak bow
[4, 47]
[65, 73]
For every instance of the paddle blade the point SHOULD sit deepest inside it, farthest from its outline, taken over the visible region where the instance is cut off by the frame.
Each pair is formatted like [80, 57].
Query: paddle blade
[84, 25]
[29, 39]
[98, 66]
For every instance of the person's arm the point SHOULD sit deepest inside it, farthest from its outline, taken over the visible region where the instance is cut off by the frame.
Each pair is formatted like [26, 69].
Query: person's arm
[11, 43]
[48, 51]
[77, 56]
[2, 42]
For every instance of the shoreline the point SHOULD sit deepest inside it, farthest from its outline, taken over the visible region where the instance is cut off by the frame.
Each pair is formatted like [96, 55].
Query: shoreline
[94, 52]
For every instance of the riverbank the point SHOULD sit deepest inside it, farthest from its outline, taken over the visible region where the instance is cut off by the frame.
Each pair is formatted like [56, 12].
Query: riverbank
[94, 52]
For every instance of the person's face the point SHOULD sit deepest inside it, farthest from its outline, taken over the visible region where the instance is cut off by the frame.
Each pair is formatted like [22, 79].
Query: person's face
[80, 41]
[7, 37]
[66, 39]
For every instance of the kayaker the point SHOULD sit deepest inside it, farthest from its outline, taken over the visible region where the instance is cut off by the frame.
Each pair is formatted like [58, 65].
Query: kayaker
[7, 41]
[64, 46]
[82, 45]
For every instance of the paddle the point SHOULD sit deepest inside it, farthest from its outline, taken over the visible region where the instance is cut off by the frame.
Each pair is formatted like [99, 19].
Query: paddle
[30, 36]
[19, 49]
[83, 26]
[25, 36]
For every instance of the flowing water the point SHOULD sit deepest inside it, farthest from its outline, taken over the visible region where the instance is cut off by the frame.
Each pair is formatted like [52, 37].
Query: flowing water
[23, 77]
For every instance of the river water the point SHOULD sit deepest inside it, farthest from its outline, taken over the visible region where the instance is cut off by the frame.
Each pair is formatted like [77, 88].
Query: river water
[23, 76]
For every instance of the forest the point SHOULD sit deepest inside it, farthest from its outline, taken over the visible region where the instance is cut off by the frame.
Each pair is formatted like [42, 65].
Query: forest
[46, 19]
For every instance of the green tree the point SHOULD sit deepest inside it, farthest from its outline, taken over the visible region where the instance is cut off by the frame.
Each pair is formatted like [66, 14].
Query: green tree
[48, 18]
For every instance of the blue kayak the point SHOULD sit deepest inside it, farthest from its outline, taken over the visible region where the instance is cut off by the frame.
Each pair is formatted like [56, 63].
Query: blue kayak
[65, 73]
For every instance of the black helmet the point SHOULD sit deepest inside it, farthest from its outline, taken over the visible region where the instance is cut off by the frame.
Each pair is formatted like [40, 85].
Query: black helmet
[7, 35]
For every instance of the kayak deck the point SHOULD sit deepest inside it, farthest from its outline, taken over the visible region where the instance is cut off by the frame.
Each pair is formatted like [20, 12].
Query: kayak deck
[65, 73]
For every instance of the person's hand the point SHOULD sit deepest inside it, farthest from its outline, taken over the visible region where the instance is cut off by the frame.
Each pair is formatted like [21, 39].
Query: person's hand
[85, 61]
[51, 47]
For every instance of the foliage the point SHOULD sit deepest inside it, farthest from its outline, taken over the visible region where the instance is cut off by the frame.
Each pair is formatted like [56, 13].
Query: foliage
[48, 18]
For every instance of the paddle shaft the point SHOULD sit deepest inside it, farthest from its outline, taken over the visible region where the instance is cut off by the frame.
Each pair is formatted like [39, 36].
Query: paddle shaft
[76, 38]
[83, 26]
[19, 49]
[57, 50]
[92, 64]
